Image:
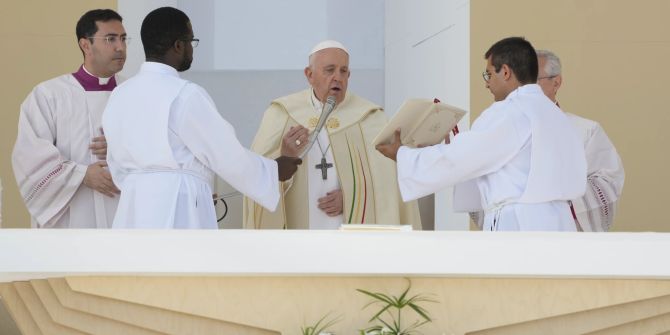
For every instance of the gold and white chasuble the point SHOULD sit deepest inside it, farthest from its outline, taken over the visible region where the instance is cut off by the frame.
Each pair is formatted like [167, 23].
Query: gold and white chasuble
[367, 179]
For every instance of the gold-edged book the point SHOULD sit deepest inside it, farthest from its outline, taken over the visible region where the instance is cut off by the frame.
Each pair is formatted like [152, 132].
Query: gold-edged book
[421, 122]
[374, 227]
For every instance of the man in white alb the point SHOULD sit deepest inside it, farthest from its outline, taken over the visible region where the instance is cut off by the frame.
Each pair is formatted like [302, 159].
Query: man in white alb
[344, 180]
[60, 151]
[166, 140]
[605, 174]
[521, 162]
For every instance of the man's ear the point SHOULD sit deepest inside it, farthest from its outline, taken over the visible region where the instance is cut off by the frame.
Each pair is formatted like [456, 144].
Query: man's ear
[505, 72]
[85, 45]
[557, 82]
[308, 74]
[178, 46]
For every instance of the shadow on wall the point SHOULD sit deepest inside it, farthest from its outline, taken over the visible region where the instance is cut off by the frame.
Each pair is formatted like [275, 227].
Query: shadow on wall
[7, 324]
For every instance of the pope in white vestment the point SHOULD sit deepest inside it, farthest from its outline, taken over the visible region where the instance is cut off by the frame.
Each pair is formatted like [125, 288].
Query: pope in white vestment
[166, 140]
[367, 179]
[58, 121]
[343, 158]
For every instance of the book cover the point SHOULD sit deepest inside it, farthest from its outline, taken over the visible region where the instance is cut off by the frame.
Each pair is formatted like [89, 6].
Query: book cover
[421, 122]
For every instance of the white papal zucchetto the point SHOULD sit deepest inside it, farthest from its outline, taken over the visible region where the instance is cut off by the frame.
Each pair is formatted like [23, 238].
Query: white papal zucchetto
[328, 44]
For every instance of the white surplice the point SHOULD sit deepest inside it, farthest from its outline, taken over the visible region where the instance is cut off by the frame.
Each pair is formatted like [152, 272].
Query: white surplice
[165, 142]
[605, 177]
[520, 163]
[57, 123]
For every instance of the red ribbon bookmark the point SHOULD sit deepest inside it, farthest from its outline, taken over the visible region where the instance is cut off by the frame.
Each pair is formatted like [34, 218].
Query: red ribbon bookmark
[455, 130]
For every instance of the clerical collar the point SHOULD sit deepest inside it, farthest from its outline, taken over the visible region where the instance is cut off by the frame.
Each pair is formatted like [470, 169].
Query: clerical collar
[316, 103]
[92, 83]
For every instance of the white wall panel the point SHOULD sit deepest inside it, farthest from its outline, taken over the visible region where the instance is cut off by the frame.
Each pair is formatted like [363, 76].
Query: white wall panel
[427, 56]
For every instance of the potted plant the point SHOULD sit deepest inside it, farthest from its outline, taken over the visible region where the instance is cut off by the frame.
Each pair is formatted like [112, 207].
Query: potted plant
[321, 326]
[390, 314]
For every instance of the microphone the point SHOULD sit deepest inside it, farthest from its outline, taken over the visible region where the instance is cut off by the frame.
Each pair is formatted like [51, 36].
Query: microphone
[325, 112]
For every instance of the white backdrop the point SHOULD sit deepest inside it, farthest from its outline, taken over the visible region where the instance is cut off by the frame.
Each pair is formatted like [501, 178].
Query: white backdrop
[427, 56]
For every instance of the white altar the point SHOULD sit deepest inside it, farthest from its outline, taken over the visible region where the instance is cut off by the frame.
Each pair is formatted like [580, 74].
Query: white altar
[274, 282]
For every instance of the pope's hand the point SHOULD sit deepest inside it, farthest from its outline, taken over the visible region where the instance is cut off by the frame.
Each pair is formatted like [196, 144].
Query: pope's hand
[99, 179]
[287, 166]
[390, 150]
[331, 204]
[294, 141]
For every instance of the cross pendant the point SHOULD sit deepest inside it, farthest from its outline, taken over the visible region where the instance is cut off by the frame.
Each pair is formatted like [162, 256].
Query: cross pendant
[324, 166]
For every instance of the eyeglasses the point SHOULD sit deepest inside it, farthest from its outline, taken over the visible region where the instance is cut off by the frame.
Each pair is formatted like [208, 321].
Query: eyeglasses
[194, 41]
[112, 39]
[547, 77]
[486, 75]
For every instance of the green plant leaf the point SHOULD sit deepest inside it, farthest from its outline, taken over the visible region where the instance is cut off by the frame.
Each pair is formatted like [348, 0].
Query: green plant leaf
[421, 311]
[387, 326]
[318, 328]
[371, 329]
[376, 316]
[390, 312]
[404, 294]
[378, 296]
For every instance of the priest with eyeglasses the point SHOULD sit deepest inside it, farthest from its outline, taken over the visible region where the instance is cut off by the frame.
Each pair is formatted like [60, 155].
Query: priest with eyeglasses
[59, 158]
[521, 162]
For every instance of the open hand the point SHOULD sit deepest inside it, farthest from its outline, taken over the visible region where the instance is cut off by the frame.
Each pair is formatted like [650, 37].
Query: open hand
[331, 204]
[294, 141]
[99, 179]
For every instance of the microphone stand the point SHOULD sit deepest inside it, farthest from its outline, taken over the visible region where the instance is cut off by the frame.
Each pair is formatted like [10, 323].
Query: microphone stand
[328, 108]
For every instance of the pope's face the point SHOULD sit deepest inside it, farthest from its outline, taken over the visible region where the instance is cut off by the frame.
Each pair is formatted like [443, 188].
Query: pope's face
[328, 73]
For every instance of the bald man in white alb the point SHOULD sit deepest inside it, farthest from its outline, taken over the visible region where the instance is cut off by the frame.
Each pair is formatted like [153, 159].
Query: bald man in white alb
[605, 176]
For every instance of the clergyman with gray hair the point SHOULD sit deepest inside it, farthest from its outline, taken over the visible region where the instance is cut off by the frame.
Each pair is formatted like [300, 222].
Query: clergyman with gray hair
[605, 175]
[344, 179]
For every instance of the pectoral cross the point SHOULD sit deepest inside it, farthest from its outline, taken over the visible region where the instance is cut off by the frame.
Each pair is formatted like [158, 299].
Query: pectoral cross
[324, 166]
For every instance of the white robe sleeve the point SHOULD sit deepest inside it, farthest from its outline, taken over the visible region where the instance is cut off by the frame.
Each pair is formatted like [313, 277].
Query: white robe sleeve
[595, 210]
[47, 180]
[493, 141]
[212, 140]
